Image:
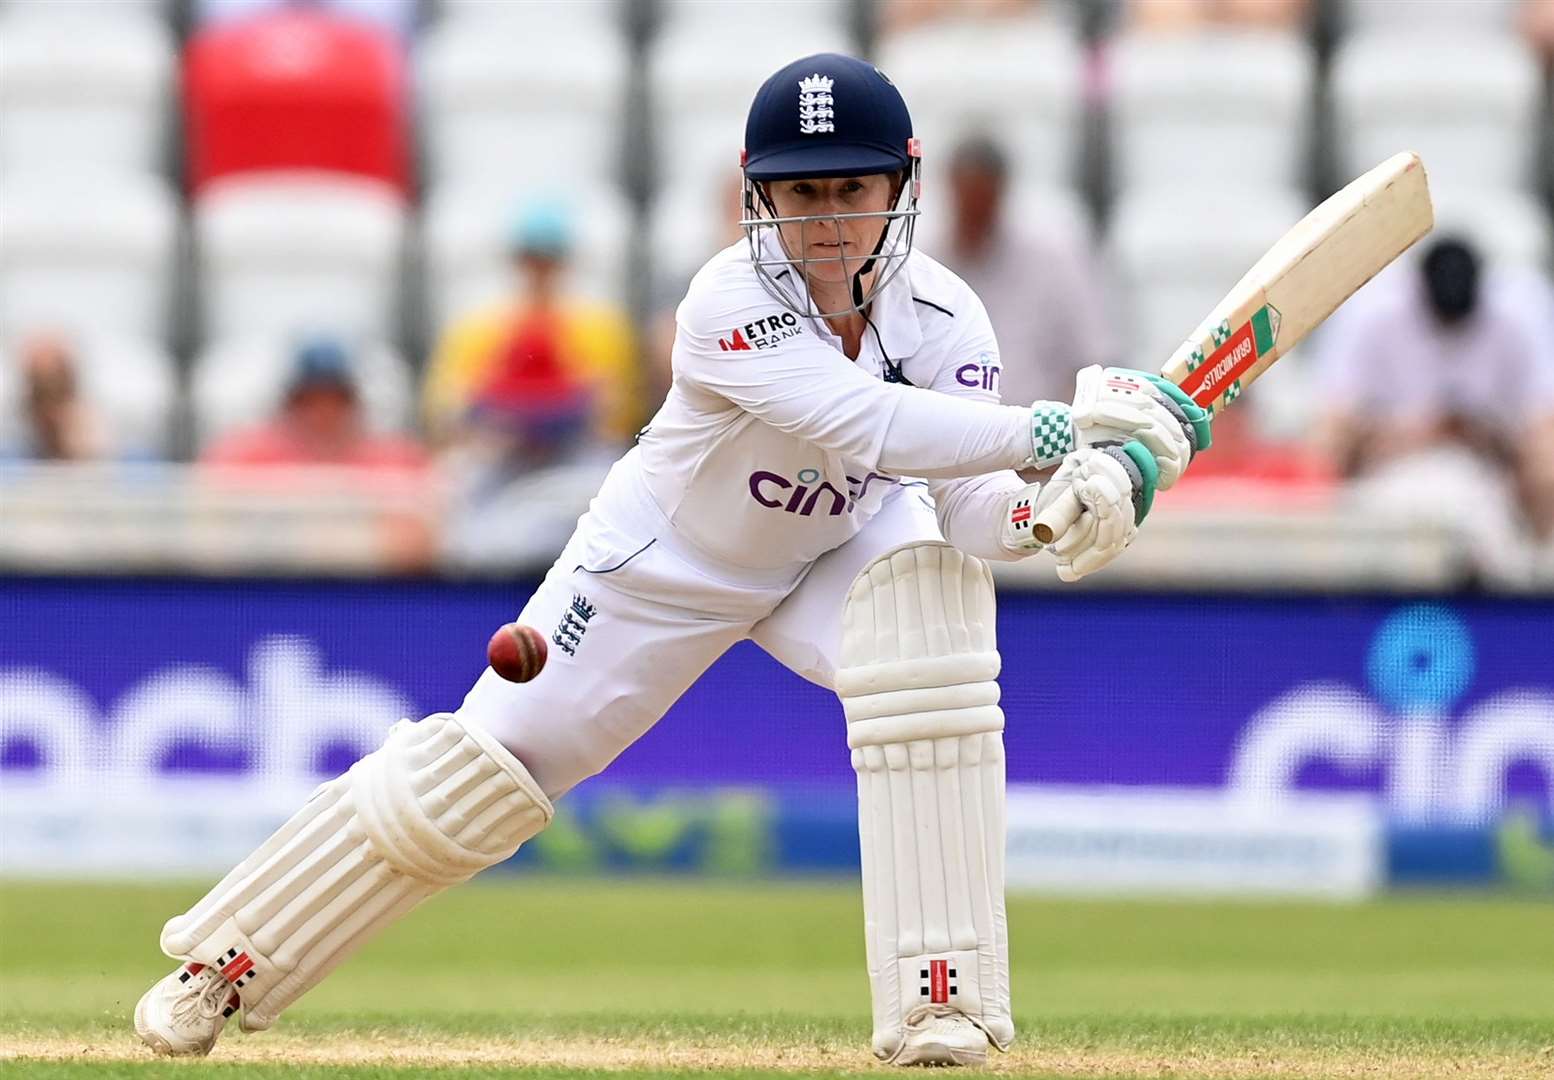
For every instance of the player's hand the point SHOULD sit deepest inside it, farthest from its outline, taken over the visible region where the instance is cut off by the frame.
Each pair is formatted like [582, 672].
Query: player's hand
[1119, 405]
[1103, 493]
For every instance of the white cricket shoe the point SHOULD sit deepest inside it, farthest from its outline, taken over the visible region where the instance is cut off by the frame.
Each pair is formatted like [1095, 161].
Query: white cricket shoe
[185, 1012]
[941, 1035]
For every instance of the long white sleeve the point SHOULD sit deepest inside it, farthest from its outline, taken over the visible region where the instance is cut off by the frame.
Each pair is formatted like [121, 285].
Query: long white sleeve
[971, 513]
[808, 390]
[933, 435]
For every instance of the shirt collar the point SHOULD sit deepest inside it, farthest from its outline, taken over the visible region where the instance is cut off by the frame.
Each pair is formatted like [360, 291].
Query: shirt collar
[893, 312]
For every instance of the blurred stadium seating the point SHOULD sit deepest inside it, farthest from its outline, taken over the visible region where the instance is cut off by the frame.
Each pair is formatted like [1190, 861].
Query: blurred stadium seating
[85, 89]
[1028, 89]
[524, 96]
[87, 252]
[189, 187]
[1174, 125]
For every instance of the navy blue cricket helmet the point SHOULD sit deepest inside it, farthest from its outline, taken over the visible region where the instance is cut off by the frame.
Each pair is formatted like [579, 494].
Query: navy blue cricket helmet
[826, 116]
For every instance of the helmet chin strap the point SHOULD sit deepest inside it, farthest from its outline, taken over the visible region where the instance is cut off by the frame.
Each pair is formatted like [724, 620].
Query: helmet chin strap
[868, 264]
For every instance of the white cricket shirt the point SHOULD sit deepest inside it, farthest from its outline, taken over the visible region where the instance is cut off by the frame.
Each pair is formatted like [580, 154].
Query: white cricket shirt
[773, 447]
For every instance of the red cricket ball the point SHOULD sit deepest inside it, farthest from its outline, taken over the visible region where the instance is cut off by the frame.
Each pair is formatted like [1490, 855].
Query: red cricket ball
[516, 652]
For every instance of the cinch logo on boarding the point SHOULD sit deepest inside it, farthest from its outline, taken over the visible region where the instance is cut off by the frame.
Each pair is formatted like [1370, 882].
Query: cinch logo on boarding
[777, 492]
[763, 333]
[983, 373]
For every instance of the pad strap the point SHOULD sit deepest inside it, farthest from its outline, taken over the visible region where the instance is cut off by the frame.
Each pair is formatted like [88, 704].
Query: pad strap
[434, 805]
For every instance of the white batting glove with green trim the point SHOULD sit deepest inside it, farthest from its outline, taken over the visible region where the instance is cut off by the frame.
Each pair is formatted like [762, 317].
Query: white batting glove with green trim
[1108, 489]
[1116, 405]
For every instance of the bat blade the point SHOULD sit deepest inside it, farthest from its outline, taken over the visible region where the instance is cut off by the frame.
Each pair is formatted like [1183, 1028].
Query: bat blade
[1322, 261]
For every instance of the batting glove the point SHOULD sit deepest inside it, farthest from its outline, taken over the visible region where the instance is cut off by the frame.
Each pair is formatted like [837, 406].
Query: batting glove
[1119, 405]
[1115, 487]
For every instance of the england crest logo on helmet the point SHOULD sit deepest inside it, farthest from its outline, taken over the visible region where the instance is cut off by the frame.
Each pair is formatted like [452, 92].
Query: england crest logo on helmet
[816, 105]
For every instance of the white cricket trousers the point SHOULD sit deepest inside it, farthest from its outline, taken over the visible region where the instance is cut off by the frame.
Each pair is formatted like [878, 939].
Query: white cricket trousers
[633, 619]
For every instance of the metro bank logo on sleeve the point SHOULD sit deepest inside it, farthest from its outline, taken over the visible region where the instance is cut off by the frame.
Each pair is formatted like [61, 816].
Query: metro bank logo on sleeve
[767, 332]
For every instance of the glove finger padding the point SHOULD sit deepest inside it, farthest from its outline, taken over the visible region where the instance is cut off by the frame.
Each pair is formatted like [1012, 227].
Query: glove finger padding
[1088, 562]
[1108, 525]
[1119, 405]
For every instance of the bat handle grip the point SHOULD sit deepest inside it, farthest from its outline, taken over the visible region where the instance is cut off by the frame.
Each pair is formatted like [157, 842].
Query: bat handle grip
[1054, 521]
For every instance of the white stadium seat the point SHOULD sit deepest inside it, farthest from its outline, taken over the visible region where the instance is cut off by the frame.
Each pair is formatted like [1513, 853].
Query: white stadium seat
[132, 9]
[82, 252]
[523, 102]
[1466, 102]
[714, 16]
[1444, 14]
[1210, 106]
[596, 15]
[289, 253]
[1176, 252]
[80, 90]
[465, 244]
[239, 382]
[1019, 81]
[130, 386]
[1509, 227]
[702, 79]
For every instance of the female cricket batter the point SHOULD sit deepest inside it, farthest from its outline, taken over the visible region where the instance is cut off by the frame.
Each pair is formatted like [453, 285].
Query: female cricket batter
[834, 419]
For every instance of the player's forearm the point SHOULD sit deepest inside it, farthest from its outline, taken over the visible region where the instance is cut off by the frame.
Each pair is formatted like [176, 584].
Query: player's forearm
[972, 512]
[938, 436]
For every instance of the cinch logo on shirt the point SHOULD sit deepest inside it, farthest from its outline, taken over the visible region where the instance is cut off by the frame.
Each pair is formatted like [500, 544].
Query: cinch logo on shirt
[777, 492]
[763, 333]
[983, 373]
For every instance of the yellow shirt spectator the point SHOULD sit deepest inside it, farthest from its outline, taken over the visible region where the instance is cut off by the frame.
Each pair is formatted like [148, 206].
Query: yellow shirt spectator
[593, 342]
[540, 344]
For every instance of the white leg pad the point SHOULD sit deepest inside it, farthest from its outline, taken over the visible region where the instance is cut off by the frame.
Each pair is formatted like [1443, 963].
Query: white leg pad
[917, 681]
[433, 806]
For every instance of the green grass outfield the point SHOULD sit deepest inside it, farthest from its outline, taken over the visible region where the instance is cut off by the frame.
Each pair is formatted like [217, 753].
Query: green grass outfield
[581, 978]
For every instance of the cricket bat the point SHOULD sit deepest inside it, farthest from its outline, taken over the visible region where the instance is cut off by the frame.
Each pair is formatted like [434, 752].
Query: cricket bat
[1298, 283]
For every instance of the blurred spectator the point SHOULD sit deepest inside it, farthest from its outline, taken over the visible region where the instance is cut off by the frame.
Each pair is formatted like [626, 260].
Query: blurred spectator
[1178, 14]
[320, 422]
[57, 425]
[532, 400]
[296, 89]
[1039, 283]
[1449, 367]
[1537, 20]
[542, 376]
[896, 15]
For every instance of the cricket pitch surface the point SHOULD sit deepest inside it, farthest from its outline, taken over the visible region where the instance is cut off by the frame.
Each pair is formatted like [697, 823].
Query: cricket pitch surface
[570, 978]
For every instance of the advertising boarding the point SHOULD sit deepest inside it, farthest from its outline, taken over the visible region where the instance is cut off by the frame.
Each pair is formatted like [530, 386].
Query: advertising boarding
[1155, 743]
